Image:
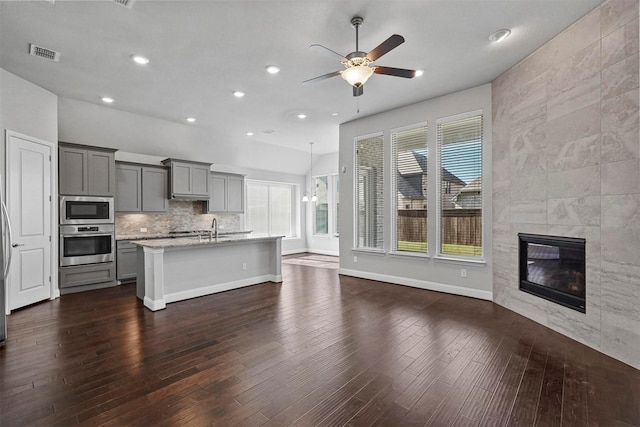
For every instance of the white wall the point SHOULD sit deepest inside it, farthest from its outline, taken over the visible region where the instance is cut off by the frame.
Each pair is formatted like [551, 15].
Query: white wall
[30, 110]
[145, 139]
[429, 273]
[91, 124]
[322, 244]
[27, 109]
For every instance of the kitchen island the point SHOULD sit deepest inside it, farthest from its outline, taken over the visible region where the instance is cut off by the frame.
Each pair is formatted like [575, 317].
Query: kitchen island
[171, 270]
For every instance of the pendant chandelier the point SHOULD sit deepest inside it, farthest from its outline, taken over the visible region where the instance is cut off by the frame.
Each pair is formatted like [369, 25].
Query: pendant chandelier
[310, 195]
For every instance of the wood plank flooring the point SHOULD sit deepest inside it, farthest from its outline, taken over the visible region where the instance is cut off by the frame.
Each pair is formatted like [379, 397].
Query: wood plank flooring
[317, 349]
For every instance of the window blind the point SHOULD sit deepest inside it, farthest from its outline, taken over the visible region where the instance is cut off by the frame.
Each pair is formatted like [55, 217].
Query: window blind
[369, 174]
[460, 189]
[269, 208]
[409, 180]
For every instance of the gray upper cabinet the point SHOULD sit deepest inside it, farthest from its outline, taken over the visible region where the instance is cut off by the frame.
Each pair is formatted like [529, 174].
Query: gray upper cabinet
[154, 189]
[141, 188]
[85, 170]
[188, 180]
[226, 193]
[128, 188]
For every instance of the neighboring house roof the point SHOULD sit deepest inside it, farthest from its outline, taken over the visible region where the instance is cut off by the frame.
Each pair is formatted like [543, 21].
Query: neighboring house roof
[413, 162]
[474, 186]
[410, 186]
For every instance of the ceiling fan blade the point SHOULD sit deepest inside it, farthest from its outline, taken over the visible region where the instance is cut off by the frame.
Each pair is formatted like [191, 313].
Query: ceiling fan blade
[398, 72]
[391, 43]
[320, 78]
[327, 52]
[357, 91]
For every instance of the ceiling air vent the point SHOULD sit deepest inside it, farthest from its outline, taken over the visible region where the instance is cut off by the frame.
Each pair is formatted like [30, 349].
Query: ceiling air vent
[43, 52]
[125, 3]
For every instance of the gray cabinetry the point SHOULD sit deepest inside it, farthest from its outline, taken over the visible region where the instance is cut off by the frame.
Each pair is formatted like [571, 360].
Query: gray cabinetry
[85, 170]
[226, 193]
[128, 188]
[154, 189]
[188, 180]
[141, 188]
[126, 259]
[87, 277]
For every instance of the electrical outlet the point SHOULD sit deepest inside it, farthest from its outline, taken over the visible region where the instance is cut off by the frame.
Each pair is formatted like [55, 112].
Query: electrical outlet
[355, 259]
[143, 230]
[244, 266]
[463, 272]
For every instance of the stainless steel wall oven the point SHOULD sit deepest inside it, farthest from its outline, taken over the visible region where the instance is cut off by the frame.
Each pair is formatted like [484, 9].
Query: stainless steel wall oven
[86, 244]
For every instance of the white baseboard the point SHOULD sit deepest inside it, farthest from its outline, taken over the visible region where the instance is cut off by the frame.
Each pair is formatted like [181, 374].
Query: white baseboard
[154, 305]
[422, 284]
[221, 287]
[294, 251]
[322, 252]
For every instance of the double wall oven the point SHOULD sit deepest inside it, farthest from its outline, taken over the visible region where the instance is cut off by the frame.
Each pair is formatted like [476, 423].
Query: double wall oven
[87, 230]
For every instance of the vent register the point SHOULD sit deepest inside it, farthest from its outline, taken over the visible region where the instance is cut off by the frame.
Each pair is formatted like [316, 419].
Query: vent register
[43, 52]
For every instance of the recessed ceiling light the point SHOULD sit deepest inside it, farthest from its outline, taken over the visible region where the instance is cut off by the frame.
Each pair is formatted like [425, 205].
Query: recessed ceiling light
[418, 73]
[139, 59]
[238, 94]
[273, 69]
[302, 116]
[191, 119]
[500, 35]
[334, 114]
[249, 133]
[107, 100]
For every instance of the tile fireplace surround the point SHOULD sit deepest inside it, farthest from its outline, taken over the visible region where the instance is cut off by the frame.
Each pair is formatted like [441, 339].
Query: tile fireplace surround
[566, 163]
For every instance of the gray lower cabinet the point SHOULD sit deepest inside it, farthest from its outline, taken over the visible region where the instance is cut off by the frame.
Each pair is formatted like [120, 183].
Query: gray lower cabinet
[85, 170]
[86, 277]
[226, 193]
[126, 259]
[141, 188]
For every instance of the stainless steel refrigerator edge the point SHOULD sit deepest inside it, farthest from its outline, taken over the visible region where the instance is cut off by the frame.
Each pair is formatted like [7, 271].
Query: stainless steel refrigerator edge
[5, 262]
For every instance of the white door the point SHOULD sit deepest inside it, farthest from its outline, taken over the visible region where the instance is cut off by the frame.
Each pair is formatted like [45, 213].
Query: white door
[29, 204]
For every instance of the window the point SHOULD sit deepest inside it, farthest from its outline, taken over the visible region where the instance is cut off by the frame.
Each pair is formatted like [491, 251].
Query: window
[321, 211]
[336, 204]
[369, 175]
[409, 151]
[460, 180]
[269, 208]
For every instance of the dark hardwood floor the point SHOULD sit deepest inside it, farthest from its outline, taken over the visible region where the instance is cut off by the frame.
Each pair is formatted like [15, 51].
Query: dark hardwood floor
[318, 349]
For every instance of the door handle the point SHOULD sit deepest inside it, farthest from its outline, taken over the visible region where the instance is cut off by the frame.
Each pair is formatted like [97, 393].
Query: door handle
[15, 245]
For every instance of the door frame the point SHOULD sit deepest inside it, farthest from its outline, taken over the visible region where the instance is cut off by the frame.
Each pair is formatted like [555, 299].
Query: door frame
[53, 179]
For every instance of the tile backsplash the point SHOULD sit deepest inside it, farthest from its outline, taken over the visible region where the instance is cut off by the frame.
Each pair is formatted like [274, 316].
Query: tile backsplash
[182, 215]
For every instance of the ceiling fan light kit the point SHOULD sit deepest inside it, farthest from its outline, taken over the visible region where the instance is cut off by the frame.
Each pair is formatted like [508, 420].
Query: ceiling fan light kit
[357, 64]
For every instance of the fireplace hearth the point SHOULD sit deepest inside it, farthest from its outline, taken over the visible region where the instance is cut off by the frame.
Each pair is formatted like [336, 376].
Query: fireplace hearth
[553, 268]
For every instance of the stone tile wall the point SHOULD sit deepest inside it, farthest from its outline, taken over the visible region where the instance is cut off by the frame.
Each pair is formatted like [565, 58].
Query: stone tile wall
[566, 162]
[182, 215]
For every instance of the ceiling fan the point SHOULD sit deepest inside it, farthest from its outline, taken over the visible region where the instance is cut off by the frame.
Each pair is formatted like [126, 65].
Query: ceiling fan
[357, 64]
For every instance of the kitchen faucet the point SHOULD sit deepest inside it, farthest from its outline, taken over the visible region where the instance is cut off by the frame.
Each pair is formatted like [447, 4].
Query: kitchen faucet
[214, 229]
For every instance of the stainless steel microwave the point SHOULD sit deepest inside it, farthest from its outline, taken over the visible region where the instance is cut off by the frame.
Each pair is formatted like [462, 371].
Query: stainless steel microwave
[86, 210]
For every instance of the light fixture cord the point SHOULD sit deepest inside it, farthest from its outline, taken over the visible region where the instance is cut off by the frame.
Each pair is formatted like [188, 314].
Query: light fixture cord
[311, 164]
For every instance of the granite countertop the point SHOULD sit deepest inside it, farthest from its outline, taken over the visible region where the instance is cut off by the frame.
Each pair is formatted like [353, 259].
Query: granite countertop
[145, 236]
[182, 242]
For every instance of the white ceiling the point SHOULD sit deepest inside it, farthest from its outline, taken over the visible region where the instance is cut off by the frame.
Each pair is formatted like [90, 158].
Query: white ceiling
[201, 51]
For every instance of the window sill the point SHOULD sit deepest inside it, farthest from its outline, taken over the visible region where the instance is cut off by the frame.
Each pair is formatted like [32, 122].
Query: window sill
[321, 236]
[402, 254]
[453, 260]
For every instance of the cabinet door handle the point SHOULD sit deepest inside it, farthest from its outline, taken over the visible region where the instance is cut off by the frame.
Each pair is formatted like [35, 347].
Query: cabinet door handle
[15, 245]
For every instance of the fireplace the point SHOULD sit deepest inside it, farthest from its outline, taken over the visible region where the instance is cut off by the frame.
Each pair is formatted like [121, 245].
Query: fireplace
[553, 268]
